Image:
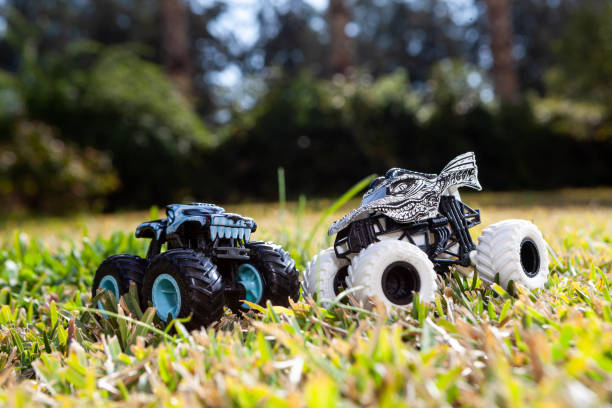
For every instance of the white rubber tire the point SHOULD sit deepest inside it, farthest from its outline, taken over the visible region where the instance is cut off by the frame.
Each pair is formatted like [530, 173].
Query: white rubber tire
[501, 250]
[368, 268]
[320, 273]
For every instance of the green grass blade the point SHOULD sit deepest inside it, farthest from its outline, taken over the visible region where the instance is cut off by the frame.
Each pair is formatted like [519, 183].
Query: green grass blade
[344, 198]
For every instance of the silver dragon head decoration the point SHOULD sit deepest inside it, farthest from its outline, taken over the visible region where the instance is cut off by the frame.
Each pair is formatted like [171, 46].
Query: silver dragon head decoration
[408, 196]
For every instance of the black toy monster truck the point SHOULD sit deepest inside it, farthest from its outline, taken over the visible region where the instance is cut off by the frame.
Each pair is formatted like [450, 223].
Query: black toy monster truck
[411, 225]
[210, 262]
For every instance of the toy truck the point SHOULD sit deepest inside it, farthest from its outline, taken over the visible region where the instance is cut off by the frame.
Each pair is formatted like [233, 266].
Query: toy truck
[411, 226]
[210, 262]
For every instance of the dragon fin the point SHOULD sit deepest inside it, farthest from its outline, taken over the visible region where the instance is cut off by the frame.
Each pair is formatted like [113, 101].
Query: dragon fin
[461, 172]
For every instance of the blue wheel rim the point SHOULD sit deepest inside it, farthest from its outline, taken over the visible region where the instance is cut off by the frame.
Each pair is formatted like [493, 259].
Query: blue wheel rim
[250, 278]
[166, 297]
[110, 284]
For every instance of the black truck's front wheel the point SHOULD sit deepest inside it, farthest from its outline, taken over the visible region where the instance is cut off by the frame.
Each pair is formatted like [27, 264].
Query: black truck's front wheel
[181, 283]
[280, 277]
[116, 273]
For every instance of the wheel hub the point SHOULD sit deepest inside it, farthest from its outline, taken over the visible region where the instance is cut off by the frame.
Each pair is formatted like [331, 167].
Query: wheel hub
[399, 281]
[166, 297]
[530, 258]
[249, 277]
[109, 283]
[340, 280]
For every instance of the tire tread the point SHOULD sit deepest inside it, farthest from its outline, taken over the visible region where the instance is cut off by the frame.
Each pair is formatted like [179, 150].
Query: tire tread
[497, 253]
[205, 297]
[281, 277]
[130, 268]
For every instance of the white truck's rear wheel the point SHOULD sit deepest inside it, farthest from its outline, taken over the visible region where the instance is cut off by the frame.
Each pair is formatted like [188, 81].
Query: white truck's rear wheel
[392, 271]
[514, 249]
[325, 275]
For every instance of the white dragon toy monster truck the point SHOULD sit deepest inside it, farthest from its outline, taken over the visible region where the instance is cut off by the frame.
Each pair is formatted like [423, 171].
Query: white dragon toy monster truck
[412, 225]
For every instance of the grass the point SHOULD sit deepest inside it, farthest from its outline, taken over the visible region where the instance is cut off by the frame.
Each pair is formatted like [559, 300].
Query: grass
[474, 346]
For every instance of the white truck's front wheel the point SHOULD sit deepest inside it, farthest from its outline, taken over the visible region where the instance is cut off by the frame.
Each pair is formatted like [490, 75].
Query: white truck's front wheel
[514, 249]
[325, 275]
[392, 271]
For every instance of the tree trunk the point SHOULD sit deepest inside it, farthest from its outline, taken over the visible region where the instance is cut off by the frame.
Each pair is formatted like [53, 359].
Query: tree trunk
[341, 44]
[175, 41]
[499, 15]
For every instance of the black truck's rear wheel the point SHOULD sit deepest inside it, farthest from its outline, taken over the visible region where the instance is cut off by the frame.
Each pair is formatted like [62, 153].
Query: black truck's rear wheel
[181, 283]
[280, 277]
[116, 273]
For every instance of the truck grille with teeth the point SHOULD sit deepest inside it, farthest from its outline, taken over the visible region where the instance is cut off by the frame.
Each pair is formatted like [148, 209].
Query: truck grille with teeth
[226, 227]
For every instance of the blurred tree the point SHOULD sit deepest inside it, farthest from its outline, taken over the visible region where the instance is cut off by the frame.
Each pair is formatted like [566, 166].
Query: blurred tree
[415, 35]
[328, 133]
[288, 40]
[584, 55]
[499, 17]
[386, 35]
[342, 47]
[111, 100]
[176, 44]
[418, 92]
[383, 36]
[114, 22]
[579, 88]
[412, 35]
[459, 85]
[40, 171]
[537, 25]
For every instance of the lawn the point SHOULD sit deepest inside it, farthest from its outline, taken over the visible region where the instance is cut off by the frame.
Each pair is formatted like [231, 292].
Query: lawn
[474, 346]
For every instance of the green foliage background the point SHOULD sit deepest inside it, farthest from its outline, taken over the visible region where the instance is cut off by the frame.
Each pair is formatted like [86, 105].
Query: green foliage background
[99, 126]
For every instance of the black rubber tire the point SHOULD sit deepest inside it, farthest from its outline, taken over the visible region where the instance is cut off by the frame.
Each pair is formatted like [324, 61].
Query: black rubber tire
[199, 282]
[124, 268]
[281, 278]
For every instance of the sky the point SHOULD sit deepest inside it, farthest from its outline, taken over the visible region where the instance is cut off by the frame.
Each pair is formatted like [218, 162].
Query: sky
[240, 21]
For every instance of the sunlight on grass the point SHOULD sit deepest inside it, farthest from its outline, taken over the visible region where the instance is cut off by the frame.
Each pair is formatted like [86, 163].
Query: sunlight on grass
[473, 346]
